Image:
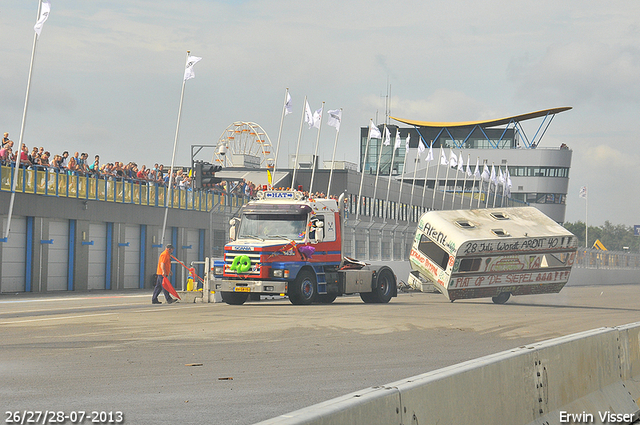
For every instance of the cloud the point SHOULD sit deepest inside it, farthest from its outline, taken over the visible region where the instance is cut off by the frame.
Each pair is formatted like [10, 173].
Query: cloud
[579, 73]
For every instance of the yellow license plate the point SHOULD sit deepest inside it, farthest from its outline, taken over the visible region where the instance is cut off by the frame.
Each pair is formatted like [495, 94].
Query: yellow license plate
[242, 289]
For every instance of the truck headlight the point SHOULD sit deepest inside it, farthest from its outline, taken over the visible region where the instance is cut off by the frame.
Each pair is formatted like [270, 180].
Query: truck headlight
[278, 273]
[218, 270]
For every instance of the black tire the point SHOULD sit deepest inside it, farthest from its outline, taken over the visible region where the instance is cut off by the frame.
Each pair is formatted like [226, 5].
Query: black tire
[368, 297]
[234, 298]
[501, 298]
[385, 284]
[326, 298]
[304, 290]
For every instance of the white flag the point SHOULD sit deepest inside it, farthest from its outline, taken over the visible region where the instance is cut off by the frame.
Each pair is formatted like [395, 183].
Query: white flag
[317, 118]
[485, 172]
[501, 178]
[421, 148]
[308, 115]
[188, 72]
[44, 15]
[453, 160]
[398, 141]
[288, 106]
[469, 173]
[508, 191]
[374, 132]
[429, 155]
[583, 192]
[387, 137]
[493, 175]
[460, 163]
[443, 158]
[335, 118]
[476, 172]
[406, 144]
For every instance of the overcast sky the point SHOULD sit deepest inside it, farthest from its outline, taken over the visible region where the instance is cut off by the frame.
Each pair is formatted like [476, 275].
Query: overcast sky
[108, 74]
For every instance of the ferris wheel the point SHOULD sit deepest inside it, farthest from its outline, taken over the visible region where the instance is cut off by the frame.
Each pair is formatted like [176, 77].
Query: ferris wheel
[242, 143]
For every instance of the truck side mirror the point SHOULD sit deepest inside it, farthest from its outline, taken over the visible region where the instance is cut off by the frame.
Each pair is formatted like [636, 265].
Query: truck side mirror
[233, 229]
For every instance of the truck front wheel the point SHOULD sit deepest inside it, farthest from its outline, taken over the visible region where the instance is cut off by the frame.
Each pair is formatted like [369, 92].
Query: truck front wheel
[303, 290]
[501, 298]
[234, 298]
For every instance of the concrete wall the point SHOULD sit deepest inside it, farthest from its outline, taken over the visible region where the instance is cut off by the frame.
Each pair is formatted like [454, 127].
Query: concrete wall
[137, 253]
[590, 373]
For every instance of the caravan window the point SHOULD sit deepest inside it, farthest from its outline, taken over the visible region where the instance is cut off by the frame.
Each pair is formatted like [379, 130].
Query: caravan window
[436, 254]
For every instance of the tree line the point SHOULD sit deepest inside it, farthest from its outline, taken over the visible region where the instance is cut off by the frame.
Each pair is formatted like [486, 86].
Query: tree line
[613, 237]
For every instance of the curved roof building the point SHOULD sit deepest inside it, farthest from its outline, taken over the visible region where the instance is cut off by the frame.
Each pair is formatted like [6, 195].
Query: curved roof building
[539, 174]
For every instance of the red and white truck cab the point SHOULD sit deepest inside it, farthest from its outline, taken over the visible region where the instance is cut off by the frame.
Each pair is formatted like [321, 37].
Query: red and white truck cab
[284, 243]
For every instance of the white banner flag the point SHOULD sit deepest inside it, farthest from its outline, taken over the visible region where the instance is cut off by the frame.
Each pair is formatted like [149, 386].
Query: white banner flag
[374, 132]
[493, 175]
[508, 191]
[308, 115]
[387, 137]
[429, 155]
[44, 15]
[476, 172]
[583, 192]
[460, 163]
[335, 118]
[317, 118]
[453, 159]
[406, 144]
[469, 173]
[398, 141]
[421, 148]
[443, 158]
[485, 172]
[288, 106]
[188, 72]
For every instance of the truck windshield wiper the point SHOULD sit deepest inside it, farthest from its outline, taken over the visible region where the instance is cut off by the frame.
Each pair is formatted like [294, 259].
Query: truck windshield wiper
[250, 236]
[281, 237]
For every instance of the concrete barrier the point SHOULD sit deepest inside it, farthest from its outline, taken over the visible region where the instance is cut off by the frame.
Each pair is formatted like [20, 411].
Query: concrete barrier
[588, 374]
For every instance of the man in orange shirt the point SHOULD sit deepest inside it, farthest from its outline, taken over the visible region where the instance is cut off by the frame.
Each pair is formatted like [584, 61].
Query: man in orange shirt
[164, 270]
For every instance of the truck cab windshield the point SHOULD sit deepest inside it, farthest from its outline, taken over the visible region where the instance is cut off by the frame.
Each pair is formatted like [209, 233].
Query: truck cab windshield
[266, 226]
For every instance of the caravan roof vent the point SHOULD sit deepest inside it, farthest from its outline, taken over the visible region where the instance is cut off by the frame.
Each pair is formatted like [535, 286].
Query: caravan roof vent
[500, 232]
[465, 224]
[499, 215]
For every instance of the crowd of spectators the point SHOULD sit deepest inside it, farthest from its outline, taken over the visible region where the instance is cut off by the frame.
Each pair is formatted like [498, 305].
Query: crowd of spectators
[79, 164]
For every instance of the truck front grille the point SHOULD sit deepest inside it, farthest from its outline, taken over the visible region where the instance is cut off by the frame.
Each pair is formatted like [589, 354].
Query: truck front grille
[229, 256]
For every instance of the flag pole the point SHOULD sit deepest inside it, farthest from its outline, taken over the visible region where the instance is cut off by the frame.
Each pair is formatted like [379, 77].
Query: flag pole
[426, 173]
[495, 193]
[455, 186]
[404, 167]
[375, 185]
[446, 179]
[586, 217]
[315, 155]
[24, 119]
[473, 185]
[393, 157]
[435, 183]
[333, 157]
[173, 158]
[275, 162]
[296, 161]
[415, 167]
[480, 187]
[362, 170]
[464, 185]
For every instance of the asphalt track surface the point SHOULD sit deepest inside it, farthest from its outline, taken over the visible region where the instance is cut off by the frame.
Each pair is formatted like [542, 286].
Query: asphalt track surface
[221, 364]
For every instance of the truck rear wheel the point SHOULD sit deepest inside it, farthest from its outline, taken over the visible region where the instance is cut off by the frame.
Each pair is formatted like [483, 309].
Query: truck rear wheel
[501, 298]
[326, 298]
[234, 298]
[383, 289]
[303, 290]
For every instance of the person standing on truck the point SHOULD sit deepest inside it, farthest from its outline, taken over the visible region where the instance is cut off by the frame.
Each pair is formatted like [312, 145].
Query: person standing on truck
[164, 270]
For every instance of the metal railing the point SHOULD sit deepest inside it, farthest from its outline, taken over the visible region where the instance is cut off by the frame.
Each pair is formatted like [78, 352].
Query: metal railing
[60, 183]
[613, 260]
